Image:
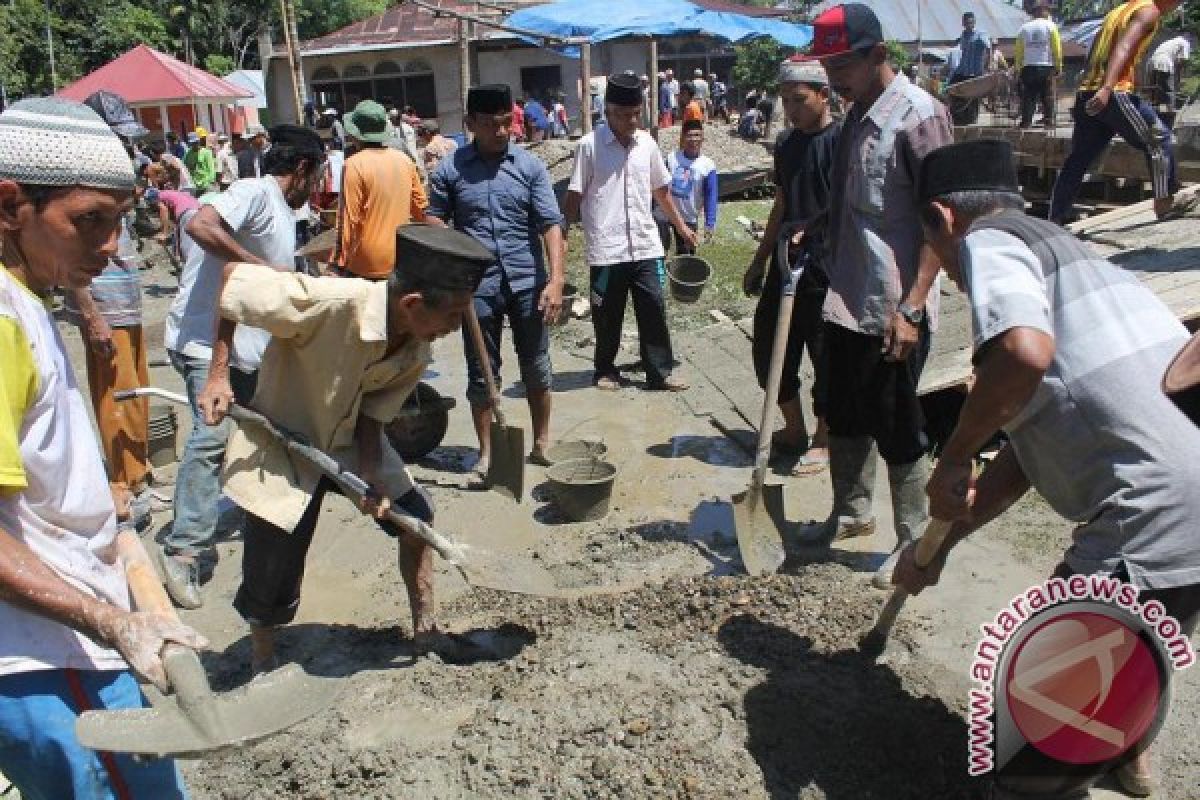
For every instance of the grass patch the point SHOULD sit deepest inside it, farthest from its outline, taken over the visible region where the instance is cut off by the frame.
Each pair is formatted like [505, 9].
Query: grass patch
[729, 253]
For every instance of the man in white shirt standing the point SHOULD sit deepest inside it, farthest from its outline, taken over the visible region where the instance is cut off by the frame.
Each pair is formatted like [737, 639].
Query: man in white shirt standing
[619, 170]
[703, 93]
[1038, 57]
[1166, 64]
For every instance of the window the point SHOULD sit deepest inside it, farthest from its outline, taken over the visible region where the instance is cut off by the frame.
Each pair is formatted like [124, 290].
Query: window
[541, 81]
[389, 84]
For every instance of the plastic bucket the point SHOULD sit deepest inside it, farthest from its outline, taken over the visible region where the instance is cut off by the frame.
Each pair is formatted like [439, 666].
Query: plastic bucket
[575, 448]
[161, 428]
[582, 487]
[687, 277]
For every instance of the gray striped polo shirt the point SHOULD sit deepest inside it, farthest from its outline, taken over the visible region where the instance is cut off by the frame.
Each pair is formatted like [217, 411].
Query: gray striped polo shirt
[1099, 440]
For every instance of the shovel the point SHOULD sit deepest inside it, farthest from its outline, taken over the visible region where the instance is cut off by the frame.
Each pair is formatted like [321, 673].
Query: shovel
[506, 572]
[928, 546]
[193, 721]
[758, 515]
[506, 470]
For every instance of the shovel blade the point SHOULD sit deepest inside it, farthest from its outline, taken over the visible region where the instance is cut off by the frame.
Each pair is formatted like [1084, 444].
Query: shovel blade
[266, 706]
[759, 521]
[506, 472]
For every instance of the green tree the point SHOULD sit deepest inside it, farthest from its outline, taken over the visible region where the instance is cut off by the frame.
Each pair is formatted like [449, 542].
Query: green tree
[219, 64]
[757, 63]
[318, 17]
[898, 55]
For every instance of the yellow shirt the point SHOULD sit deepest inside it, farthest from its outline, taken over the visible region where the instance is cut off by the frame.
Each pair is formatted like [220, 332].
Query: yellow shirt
[381, 190]
[1114, 25]
[327, 363]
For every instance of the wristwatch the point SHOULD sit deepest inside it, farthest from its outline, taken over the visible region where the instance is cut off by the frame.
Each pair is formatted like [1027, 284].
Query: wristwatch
[915, 316]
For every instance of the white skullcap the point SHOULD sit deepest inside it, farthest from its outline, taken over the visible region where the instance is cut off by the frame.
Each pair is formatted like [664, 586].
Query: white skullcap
[802, 72]
[48, 141]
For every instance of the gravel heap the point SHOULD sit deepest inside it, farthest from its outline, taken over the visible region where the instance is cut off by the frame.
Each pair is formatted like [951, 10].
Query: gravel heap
[710, 687]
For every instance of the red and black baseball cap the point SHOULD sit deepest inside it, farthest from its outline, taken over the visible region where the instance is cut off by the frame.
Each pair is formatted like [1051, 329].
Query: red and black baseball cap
[842, 29]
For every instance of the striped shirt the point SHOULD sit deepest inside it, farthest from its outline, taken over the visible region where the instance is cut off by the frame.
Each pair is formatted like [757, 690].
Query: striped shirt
[1099, 440]
[1114, 25]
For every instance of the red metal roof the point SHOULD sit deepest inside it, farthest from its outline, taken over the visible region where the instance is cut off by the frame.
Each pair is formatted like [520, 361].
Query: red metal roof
[144, 75]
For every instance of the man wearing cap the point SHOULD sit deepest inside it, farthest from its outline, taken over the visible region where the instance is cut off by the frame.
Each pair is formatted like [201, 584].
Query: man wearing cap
[227, 159]
[68, 640]
[618, 171]
[504, 197]
[804, 155]
[673, 89]
[882, 302]
[1074, 385]
[434, 146]
[381, 190]
[250, 159]
[345, 356]
[254, 221]
[201, 163]
[1106, 105]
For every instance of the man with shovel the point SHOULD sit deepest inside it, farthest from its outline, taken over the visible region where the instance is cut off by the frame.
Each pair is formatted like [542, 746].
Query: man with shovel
[68, 639]
[503, 197]
[882, 304]
[345, 356]
[1070, 351]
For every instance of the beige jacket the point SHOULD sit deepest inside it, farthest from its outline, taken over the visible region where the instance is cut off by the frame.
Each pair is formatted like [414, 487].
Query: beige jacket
[327, 363]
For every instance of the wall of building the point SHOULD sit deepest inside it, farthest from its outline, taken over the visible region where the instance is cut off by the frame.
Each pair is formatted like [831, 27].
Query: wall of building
[504, 66]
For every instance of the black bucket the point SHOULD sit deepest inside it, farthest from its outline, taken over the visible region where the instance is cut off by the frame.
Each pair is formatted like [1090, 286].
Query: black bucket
[687, 276]
[162, 427]
[582, 487]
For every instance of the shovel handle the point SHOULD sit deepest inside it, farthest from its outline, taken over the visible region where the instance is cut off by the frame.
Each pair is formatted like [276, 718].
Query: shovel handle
[144, 584]
[928, 547]
[485, 363]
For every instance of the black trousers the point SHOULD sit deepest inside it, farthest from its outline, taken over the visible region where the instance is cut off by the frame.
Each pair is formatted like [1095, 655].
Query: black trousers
[273, 559]
[1036, 85]
[807, 331]
[611, 285]
[668, 234]
[869, 396]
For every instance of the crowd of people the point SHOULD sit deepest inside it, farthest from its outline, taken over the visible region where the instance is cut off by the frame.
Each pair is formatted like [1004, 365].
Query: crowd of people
[873, 206]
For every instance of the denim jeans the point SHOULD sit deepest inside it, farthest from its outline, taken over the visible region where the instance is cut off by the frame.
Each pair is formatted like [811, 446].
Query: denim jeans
[531, 340]
[41, 755]
[198, 484]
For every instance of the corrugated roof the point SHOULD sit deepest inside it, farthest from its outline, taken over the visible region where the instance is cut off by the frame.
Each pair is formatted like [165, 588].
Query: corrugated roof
[412, 25]
[144, 75]
[941, 20]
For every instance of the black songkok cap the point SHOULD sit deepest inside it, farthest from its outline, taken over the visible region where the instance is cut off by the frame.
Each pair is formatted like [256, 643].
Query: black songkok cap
[624, 89]
[493, 98]
[441, 258]
[978, 165]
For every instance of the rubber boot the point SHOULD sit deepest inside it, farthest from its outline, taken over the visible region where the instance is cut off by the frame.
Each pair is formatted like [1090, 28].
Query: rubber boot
[852, 472]
[910, 512]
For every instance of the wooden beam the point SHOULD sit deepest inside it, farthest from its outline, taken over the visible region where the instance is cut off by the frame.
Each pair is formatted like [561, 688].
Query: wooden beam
[585, 93]
[464, 66]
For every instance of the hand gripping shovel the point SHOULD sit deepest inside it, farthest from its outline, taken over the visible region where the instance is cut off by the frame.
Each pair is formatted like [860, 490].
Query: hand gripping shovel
[758, 515]
[193, 721]
[928, 546]
[505, 572]
[506, 470]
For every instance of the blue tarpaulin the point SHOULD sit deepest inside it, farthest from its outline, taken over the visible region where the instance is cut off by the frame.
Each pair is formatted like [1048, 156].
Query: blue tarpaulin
[604, 20]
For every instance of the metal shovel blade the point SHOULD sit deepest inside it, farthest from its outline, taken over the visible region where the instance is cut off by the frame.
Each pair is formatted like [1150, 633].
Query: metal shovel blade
[759, 521]
[205, 723]
[506, 471]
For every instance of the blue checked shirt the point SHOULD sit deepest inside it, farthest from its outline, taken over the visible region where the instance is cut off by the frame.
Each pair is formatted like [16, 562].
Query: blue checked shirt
[506, 205]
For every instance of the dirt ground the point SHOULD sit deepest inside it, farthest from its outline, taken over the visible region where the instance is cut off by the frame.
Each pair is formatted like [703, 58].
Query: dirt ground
[660, 670]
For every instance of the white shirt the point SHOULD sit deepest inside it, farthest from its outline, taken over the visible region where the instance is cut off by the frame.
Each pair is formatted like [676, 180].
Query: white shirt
[687, 186]
[617, 186]
[1170, 53]
[337, 161]
[1037, 34]
[64, 513]
[264, 224]
[701, 87]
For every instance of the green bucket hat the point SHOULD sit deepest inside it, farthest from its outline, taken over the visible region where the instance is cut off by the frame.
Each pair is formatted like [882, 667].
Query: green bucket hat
[368, 122]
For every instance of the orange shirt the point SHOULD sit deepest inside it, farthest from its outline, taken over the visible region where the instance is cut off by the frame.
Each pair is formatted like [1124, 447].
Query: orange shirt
[692, 111]
[381, 191]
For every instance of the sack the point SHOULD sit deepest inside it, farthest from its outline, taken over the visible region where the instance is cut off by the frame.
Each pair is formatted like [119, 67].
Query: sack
[1181, 382]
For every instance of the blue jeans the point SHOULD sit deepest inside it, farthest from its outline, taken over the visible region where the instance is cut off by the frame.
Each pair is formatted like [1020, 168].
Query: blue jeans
[1136, 122]
[41, 756]
[198, 484]
[531, 340]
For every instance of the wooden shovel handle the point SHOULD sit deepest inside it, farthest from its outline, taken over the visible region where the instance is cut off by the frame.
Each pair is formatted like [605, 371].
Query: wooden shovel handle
[144, 583]
[485, 363]
[929, 545]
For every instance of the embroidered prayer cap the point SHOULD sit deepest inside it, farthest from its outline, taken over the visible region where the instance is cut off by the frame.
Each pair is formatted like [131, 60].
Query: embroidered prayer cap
[49, 141]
